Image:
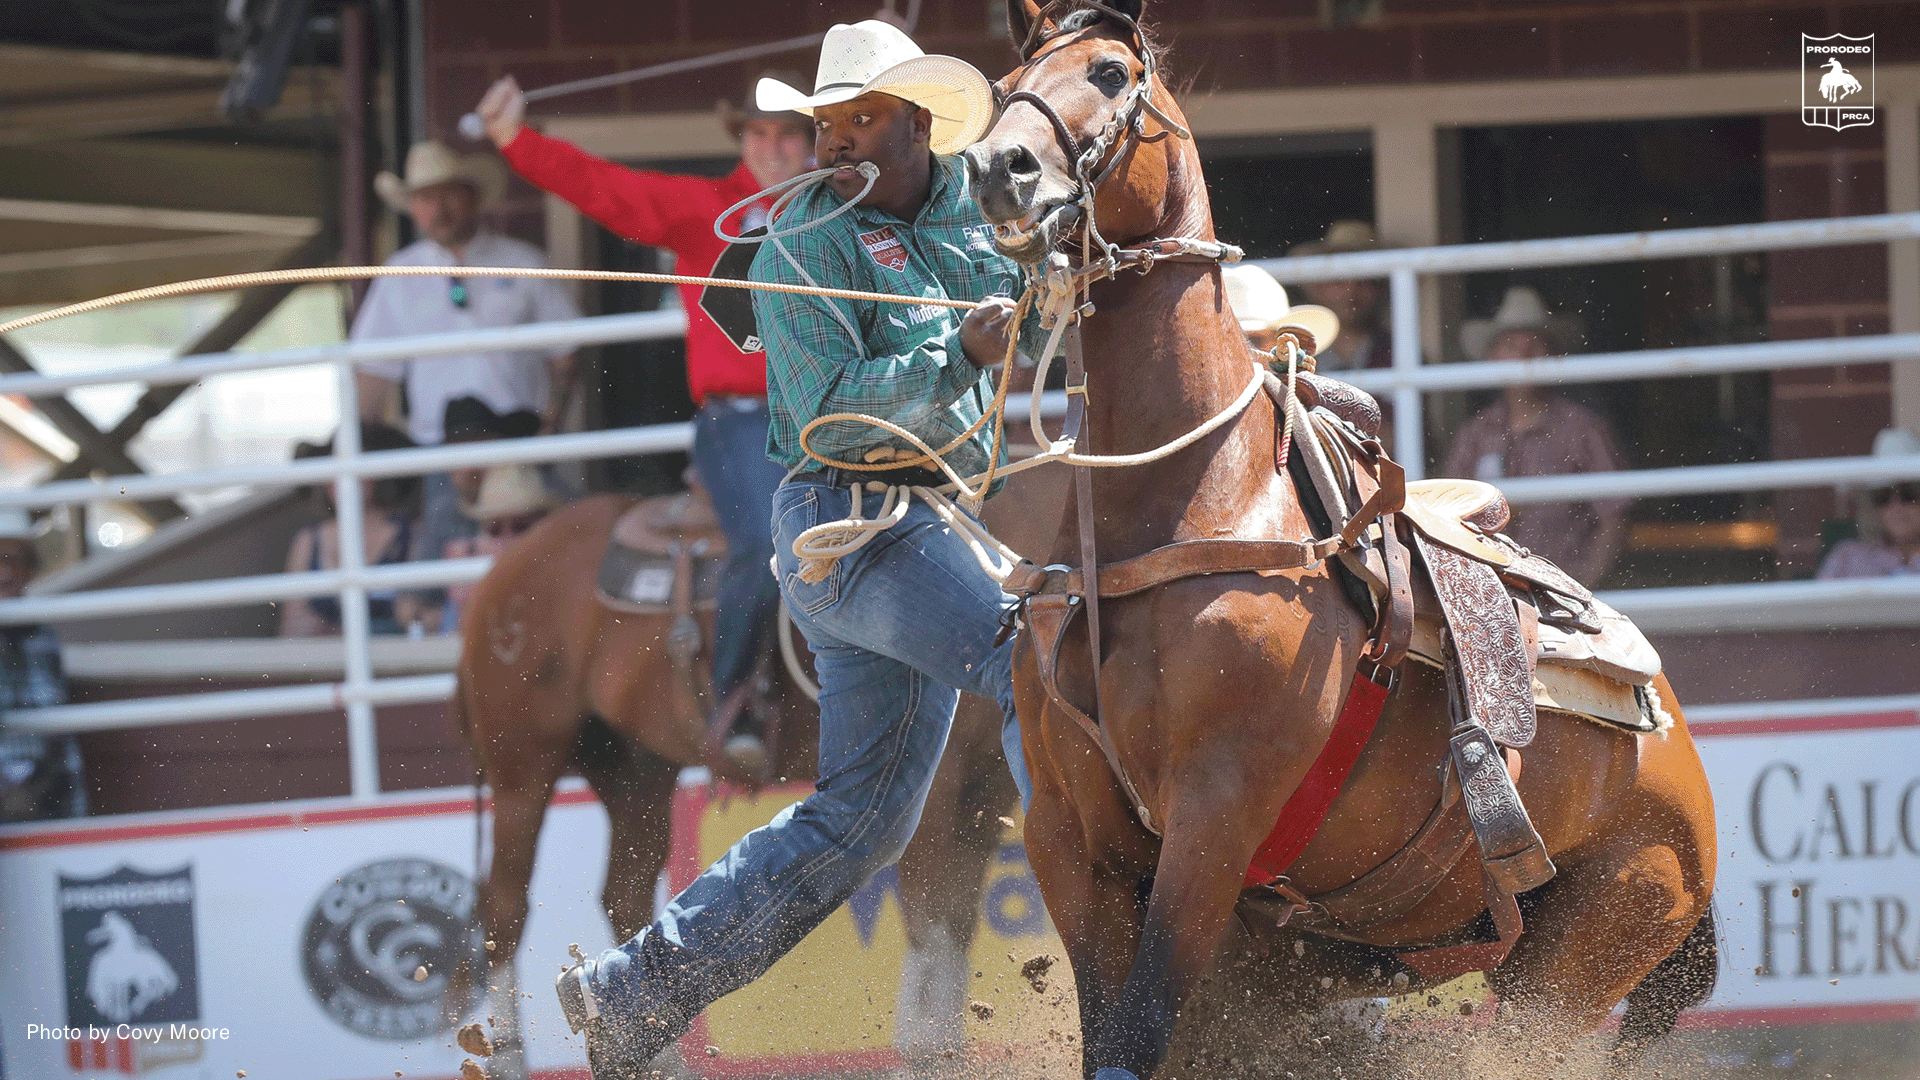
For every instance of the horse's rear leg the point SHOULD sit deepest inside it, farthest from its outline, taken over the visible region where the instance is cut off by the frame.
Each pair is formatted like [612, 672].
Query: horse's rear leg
[636, 787]
[1595, 933]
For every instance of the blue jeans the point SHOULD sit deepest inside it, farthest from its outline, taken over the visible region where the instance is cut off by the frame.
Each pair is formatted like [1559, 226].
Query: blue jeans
[898, 629]
[730, 454]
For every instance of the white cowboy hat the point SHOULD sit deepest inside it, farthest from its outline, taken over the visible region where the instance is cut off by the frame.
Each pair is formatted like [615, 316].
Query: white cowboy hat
[870, 56]
[432, 162]
[509, 491]
[1520, 309]
[1260, 303]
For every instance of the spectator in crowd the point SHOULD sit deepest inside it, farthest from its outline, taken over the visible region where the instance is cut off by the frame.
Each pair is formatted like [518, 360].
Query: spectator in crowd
[1889, 542]
[390, 510]
[729, 386]
[444, 192]
[445, 523]
[40, 775]
[509, 500]
[1363, 340]
[1530, 431]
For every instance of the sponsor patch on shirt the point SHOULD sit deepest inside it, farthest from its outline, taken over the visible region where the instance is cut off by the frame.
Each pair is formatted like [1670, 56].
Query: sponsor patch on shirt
[885, 249]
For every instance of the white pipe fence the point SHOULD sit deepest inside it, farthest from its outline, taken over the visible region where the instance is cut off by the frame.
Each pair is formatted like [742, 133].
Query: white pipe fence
[1774, 605]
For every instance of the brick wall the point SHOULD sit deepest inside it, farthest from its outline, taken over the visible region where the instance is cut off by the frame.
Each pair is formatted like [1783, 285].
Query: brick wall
[1824, 292]
[1218, 44]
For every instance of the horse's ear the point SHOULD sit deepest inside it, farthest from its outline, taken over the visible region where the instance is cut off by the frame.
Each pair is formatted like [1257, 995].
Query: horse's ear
[1022, 18]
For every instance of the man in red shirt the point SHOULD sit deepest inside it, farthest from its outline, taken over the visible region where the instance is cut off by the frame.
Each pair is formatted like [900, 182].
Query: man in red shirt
[729, 386]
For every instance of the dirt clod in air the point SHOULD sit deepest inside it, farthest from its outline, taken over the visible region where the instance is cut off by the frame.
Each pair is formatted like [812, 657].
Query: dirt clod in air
[473, 1039]
[240, 1073]
[1035, 971]
[420, 973]
[980, 1010]
[713, 1051]
[1006, 822]
[1466, 1008]
[471, 1070]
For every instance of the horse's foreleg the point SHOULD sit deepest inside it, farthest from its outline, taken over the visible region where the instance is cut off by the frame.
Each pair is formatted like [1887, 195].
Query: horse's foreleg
[520, 796]
[1203, 860]
[1095, 908]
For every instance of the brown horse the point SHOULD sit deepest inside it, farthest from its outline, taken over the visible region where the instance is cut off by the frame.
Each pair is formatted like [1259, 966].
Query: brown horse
[551, 679]
[1219, 691]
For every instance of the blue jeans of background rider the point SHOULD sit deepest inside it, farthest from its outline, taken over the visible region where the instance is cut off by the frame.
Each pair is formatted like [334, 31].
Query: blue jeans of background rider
[730, 454]
[898, 629]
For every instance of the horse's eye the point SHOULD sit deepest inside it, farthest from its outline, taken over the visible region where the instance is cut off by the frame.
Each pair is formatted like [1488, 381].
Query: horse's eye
[1111, 76]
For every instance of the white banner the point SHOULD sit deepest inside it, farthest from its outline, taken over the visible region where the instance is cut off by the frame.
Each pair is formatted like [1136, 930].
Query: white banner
[305, 944]
[1819, 886]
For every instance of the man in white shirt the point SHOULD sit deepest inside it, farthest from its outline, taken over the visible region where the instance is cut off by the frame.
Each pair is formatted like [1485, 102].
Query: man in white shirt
[444, 192]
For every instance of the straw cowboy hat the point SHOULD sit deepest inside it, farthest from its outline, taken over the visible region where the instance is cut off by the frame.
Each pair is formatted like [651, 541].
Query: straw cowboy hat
[509, 491]
[734, 117]
[1260, 303]
[870, 56]
[434, 162]
[1342, 236]
[1520, 309]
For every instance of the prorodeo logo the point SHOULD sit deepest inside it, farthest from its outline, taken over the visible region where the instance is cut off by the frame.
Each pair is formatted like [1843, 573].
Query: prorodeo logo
[128, 939]
[381, 942]
[1836, 81]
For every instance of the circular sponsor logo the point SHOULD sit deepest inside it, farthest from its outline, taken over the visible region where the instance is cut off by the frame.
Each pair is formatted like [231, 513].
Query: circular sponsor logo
[381, 943]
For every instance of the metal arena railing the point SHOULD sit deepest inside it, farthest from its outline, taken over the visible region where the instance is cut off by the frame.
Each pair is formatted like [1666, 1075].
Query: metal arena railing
[1774, 605]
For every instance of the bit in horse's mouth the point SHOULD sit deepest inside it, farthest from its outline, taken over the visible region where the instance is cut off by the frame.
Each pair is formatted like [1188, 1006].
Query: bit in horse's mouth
[1029, 238]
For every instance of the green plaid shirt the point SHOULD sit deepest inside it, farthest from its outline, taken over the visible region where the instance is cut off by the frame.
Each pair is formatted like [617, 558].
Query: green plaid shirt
[906, 365]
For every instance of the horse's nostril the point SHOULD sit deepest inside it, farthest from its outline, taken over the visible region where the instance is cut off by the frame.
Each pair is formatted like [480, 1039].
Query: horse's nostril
[1022, 165]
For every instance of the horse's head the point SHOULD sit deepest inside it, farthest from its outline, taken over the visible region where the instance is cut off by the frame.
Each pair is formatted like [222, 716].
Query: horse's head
[1084, 111]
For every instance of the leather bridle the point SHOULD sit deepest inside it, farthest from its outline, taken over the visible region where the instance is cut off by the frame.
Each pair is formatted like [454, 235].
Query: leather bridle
[1092, 164]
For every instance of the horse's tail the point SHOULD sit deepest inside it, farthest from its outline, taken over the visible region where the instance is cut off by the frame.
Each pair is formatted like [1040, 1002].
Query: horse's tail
[1684, 979]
